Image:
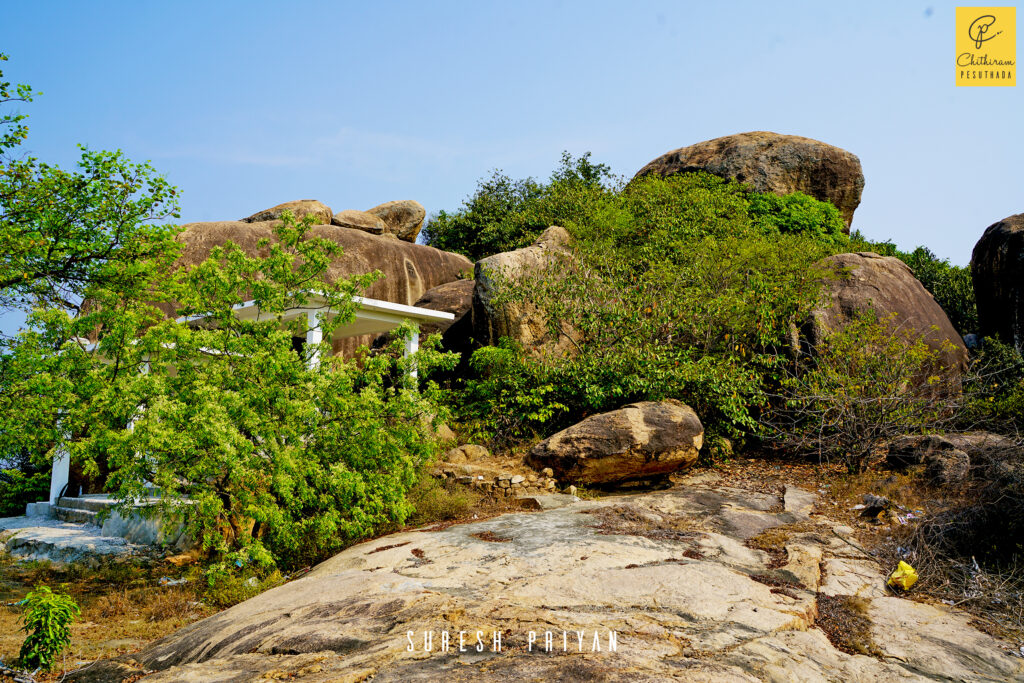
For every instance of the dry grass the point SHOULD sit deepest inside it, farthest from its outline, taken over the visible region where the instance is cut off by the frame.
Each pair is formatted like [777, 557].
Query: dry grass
[844, 620]
[123, 606]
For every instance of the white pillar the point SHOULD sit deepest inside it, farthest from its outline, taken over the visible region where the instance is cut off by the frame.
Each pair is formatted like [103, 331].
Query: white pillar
[314, 336]
[61, 473]
[412, 345]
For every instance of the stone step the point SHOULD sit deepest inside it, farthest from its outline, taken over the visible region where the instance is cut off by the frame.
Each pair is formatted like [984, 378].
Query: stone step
[89, 503]
[76, 515]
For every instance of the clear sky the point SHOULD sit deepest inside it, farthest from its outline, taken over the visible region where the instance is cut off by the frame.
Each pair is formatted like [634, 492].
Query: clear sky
[244, 105]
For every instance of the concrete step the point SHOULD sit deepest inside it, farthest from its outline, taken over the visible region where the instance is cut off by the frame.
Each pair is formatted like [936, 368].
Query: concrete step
[89, 503]
[79, 516]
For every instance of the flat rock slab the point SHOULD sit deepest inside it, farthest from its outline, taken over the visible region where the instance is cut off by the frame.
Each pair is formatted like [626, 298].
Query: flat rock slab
[666, 572]
[546, 501]
[40, 538]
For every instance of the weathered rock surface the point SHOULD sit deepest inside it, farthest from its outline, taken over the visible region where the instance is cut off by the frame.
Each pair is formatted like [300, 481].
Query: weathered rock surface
[299, 208]
[409, 269]
[911, 450]
[41, 538]
[358, 220]
[771, 162]
[517, 320]
[402, 218]
[638, 441]
[687, 599]
[865, 281]
[997, 271]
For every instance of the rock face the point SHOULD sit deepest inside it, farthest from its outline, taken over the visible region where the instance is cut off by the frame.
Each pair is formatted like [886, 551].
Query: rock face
[402, 218]
[997, 270]
[358, 220]
[886, 285]
[409, 269]
[641, 440]
[771, 162]
[299, 208]
[668, 572]
[519, 321]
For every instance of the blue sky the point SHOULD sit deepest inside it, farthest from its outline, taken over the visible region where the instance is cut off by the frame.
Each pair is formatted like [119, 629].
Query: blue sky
[244, 105]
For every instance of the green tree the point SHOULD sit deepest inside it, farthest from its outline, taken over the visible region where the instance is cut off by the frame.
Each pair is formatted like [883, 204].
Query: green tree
[61, 231]
[505, 214]
[267, 460]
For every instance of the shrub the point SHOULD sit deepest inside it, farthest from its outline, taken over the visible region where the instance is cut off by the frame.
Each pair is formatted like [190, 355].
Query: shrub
[671, 291]
[17, 488]
[46, 620]
[868, 383]
[996, 398]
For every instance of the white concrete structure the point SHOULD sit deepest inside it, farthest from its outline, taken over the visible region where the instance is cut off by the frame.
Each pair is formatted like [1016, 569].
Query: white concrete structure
[373, 316]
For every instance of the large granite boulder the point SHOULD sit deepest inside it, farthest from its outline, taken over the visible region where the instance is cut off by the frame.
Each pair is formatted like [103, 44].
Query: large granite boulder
[865, 281]
[520, 321]
[770, 162]
[997, 270]
[359, 220]
[299, 208]
[409, 270]
[639, 441]
[402, 218]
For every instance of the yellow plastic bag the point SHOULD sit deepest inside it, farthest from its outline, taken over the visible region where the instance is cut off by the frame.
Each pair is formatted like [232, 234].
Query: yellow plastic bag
[903, 577]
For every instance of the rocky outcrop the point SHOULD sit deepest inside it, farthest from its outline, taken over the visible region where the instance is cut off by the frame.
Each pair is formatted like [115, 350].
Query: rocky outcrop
[520, 321]
[667, 572]
[639, 441]
[409, 270]
[997, 270]
[865, 281]
[402, 218]
[770, 162]
[299, 208]
[358, 220]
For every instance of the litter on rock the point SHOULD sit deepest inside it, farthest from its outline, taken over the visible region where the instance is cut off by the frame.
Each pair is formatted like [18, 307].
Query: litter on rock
[903, 577]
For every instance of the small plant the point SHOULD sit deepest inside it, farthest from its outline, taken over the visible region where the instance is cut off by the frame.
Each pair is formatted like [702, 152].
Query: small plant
[46, 620]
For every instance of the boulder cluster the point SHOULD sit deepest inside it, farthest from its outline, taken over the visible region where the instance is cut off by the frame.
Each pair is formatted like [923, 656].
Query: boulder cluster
[648, 439]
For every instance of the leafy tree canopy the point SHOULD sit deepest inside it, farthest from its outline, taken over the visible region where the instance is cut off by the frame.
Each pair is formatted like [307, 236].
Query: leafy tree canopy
[60, 230]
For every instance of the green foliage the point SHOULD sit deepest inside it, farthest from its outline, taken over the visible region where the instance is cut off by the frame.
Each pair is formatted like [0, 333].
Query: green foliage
[997, 389]
[46, 620]
[18, 487]
[672, 290]
[950, 285]
[62, 231]
[867, 383]
[12, 131]
[798, 213]
[509, 398]
[267, 460]
[505, 214]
